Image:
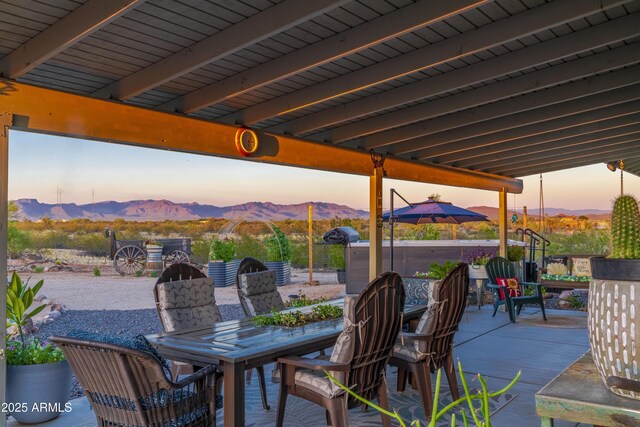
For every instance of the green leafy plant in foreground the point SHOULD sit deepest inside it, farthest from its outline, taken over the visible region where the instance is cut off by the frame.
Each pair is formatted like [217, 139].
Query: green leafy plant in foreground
[20, 297]
[438, 271]
[303, 301]
[480, 414]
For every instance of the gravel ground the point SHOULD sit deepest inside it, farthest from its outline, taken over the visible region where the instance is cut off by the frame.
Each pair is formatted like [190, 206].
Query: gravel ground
[126, 323]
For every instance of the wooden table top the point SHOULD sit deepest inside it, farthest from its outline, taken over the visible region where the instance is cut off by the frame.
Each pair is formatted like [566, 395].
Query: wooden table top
[241, 341]
[578, 394]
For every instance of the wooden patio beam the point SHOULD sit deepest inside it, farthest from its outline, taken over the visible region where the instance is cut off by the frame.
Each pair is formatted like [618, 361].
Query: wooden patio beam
[55, 112]
[75, 26]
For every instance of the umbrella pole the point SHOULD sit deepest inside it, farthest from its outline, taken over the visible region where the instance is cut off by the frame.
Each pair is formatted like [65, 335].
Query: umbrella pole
[391, 229]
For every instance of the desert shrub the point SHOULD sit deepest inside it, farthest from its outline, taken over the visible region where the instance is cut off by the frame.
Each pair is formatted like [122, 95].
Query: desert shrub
[336, 257]
[199, 251]
[96, 271]
[17, 241]
[51, 240]
[300, 254]
[277, 246]
[92, 244]
[251, 246]
[587, 242]
[486, 230]
[222, 249]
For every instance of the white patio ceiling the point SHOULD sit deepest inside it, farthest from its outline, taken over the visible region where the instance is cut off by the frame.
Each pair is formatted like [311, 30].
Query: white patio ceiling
[508, 87]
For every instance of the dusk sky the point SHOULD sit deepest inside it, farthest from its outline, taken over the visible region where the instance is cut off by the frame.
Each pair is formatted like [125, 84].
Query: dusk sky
[40, 164]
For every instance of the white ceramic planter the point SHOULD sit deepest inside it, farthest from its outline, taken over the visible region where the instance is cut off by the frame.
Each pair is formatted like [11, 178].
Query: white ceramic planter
[477, 272]
[614, 330]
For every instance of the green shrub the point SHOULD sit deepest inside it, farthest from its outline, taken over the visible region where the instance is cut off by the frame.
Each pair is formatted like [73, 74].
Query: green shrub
[96, 271]
[300, 254]
[153, 274]
[336, 257]
[222, 250]
[93, 244]
[32, 352]
[250, 246]
[200, 251]
[38, 269]
[515, 253]
[278, 246]
[17, 241]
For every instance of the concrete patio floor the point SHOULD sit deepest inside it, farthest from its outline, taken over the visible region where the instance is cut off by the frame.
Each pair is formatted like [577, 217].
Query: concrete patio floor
[490, 346]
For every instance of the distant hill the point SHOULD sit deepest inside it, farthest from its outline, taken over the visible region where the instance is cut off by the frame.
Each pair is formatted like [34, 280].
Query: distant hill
[492, 213]
[158, 210]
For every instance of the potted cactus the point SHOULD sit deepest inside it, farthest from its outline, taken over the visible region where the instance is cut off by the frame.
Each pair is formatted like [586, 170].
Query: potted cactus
[614, 299]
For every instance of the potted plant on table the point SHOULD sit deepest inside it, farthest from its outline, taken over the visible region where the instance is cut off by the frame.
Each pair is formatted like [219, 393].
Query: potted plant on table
[279, 256]
[614, 300]
[477, 260]
[38, 377]
[223, 266]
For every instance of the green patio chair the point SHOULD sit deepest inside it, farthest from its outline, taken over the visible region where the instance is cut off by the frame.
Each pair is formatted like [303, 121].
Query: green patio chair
[501, 268]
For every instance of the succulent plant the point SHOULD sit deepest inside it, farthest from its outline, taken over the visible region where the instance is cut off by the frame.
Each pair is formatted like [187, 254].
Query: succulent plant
[625, 228]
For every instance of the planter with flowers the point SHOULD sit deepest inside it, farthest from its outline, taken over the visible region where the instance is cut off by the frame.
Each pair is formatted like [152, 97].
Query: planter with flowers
[477, 260]
[38, 377]
[223, 266]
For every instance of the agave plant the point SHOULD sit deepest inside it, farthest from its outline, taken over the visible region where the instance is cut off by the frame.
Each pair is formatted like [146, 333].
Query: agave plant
[20, 297]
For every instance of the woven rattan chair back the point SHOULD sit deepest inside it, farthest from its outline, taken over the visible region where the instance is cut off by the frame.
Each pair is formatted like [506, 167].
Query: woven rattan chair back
[452, 299]
[127, 387]
[378, 309]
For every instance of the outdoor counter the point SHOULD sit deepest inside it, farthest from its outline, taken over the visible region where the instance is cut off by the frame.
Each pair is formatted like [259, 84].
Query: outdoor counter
[410, 256]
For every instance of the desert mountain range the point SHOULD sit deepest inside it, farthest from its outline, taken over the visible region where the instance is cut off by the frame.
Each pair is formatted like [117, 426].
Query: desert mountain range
[158, 210]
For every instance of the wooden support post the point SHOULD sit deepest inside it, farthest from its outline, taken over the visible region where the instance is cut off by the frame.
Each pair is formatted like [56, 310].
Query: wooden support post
[375, 221]
[310, 244]
[6, 120]
[454, 232]
[502, 230]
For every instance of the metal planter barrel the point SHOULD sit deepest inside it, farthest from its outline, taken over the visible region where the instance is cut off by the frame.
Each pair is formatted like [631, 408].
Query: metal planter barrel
[223, 273]
[282, 269]
[154, 258]
[38, 393]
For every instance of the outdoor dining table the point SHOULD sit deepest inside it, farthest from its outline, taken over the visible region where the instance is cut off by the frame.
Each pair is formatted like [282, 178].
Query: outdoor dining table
[239, 345]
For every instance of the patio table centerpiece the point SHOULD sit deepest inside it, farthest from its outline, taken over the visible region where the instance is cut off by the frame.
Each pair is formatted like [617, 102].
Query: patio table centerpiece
[38, 376]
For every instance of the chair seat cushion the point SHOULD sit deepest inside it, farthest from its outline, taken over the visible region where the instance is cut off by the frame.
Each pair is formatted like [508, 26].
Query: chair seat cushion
[408, 351]
[317, 382]
[187, 303]
[511, 284]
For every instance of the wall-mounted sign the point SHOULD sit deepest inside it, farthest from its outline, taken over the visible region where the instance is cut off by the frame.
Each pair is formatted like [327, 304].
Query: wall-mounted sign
[246, 141]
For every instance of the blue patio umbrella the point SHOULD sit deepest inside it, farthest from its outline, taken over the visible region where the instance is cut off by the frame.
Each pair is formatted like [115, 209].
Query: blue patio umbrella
[429, 211]
[433, 212]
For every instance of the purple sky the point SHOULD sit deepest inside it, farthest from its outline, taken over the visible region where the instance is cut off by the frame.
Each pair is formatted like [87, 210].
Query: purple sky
[39, 165]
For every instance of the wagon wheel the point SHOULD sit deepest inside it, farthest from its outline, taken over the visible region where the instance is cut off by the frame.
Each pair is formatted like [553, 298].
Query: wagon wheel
[176, 257]
[129, 260]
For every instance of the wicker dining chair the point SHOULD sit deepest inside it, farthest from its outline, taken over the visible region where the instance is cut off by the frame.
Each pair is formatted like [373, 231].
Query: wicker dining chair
[128, 387]
[359, 358]
[430, 347]
[184, 299]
